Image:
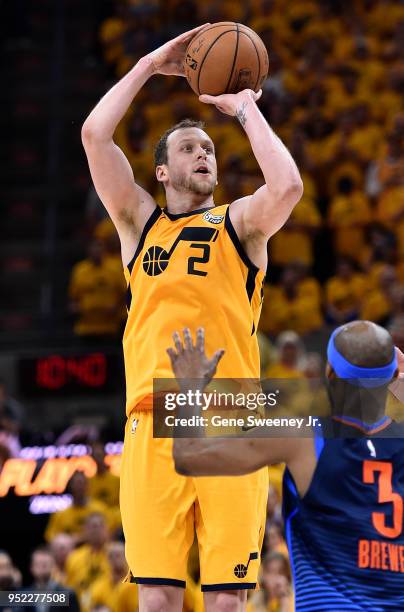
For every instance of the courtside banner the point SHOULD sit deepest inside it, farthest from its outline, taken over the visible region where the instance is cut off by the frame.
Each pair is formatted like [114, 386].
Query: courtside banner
[276, 408]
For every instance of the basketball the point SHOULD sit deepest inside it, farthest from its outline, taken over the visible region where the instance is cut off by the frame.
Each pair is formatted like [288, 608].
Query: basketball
[226, 57]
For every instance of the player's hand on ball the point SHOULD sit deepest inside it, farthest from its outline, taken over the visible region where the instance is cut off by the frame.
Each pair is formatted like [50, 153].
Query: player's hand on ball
[189, 362]
[169, 58]
[232, 104]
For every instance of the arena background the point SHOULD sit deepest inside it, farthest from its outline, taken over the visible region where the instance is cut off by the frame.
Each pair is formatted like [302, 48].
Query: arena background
[335, 97]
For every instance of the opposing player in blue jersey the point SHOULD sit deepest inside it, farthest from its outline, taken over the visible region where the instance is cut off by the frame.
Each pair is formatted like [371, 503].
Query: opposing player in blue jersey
[343, 496]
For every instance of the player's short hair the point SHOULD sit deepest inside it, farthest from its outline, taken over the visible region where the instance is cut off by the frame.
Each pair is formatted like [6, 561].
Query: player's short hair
[160, 151]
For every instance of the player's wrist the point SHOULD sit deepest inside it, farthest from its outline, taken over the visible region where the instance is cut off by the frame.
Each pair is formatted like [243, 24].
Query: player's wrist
[148, 64]
[193, 386]
[243, 104]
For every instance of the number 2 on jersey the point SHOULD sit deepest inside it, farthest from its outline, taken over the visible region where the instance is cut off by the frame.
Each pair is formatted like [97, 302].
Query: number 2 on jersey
[386, 495]
[203, 259]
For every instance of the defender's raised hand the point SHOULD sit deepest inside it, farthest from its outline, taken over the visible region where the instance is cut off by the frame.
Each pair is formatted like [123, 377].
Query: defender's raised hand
[189, 362]
[169, 58]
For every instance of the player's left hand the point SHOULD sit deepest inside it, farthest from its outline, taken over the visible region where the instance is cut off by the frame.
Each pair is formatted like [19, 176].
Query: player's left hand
[232, 104]
[189, 362]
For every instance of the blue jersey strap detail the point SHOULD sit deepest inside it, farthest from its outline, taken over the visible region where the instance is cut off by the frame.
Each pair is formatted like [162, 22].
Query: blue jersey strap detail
[318, 439]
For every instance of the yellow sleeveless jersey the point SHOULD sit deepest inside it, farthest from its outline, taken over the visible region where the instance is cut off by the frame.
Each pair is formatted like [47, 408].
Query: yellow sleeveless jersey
[190, 270]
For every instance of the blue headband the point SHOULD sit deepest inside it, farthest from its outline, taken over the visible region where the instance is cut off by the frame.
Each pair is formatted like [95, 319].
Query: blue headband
[356, 375]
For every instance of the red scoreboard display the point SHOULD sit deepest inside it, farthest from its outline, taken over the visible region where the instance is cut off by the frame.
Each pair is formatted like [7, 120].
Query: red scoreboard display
[62, 375]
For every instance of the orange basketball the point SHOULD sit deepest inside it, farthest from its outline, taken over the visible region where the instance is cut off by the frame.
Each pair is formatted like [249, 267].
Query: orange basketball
[226, 57]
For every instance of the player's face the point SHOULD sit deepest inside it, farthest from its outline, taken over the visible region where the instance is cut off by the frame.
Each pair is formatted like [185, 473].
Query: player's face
[191, 164]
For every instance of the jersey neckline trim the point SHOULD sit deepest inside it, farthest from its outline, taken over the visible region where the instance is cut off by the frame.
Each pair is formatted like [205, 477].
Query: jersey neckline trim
[365, 428]
[174, 217]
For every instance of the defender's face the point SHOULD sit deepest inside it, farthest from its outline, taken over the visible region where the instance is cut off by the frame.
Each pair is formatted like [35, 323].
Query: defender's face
[191, 164]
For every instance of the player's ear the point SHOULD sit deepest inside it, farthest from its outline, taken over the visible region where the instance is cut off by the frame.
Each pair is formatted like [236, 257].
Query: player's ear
[161, 173]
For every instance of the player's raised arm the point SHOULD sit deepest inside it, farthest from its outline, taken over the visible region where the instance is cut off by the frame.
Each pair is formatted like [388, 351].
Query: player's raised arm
[270, 206]
[199, 456]
[128, 205]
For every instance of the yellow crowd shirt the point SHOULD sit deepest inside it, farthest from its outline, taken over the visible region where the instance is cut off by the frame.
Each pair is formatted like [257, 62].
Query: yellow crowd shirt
[118, 597]
[293, 243]
[190, 270]
[390, 211]
[72, 519]
[348, 217]
[83, 567]
[301, 314]
[98, 293]
[345, 294]
[105, 488]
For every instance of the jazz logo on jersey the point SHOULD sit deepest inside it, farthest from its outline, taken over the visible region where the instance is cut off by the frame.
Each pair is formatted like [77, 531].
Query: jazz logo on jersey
[156, 259]
[240, 571]
[216, 219]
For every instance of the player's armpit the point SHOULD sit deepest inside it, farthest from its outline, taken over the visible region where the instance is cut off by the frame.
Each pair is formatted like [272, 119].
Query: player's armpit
[266, 211]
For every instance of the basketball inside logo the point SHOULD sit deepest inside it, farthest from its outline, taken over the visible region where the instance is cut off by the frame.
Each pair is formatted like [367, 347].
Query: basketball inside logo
[155, 261]
[240, 571]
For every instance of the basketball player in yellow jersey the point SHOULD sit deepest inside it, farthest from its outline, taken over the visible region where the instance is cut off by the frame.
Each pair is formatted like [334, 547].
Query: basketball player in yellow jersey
[191, 262]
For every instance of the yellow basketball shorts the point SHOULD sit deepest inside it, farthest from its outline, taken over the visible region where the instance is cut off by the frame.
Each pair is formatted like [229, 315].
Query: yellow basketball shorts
[161, 511]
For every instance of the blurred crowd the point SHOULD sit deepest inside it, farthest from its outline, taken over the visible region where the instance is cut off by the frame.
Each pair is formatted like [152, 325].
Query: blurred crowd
[83, 553]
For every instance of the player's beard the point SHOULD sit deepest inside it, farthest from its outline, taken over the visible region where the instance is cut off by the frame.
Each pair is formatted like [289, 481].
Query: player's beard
[182, 182]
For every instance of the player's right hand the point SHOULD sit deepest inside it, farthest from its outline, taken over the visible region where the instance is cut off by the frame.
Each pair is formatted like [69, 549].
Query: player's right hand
[169, 58]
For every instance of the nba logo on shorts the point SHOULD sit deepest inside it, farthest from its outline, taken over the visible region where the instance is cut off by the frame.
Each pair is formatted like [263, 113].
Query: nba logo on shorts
[134, 425]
